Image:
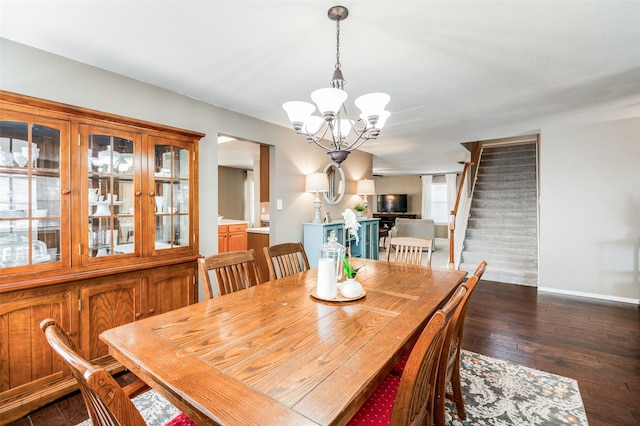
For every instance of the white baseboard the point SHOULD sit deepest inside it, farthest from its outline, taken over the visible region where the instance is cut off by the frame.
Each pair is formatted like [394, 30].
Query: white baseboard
[591, 295]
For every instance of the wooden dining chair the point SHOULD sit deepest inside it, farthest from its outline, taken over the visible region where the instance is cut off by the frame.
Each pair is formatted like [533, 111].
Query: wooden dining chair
[409, 250]
[482, 266]
[235, 270]
[286, 259]
[108, 404]
[449, 369]
[409, 399]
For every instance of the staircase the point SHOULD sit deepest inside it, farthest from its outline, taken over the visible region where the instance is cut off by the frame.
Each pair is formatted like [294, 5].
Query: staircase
[502, 226]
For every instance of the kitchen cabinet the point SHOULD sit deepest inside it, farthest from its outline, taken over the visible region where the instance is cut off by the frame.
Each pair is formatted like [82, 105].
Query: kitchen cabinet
[98, 227]
[232, 237]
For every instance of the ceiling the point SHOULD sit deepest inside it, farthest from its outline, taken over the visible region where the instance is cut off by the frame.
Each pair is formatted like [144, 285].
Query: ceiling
[456, 71]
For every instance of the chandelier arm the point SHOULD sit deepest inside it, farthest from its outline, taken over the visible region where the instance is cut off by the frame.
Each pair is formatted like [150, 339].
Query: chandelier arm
[337, 144]
[363, 123]
[318, 140]
[355, 143]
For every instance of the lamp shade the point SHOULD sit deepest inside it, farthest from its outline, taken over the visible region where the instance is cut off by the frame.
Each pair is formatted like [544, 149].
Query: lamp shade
[329, 100]
[372, 103]
[298, 111]
[382, 119]
[317, 182]
[366, 187]
[312, 125]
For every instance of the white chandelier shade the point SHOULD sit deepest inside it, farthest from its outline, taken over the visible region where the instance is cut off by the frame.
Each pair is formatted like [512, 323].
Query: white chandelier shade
[329, 101]
[298, 112]
[382, 119]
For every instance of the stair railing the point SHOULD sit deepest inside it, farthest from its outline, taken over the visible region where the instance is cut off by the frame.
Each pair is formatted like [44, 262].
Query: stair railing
[458, 217]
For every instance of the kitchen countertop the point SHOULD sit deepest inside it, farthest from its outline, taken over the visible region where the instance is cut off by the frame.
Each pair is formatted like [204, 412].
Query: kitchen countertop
[232, 222]
[263, 230]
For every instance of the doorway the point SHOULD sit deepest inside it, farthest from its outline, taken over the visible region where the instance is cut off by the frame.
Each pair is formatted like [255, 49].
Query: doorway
[243, 168]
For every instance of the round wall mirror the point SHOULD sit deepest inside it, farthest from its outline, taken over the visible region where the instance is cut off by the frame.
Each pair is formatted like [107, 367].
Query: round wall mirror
[336, 184]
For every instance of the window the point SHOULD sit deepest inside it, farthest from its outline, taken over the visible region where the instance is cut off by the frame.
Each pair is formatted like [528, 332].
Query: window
[439, 208]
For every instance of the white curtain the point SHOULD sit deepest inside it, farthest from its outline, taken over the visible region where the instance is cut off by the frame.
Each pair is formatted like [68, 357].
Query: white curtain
[452, 190]
[426, 196]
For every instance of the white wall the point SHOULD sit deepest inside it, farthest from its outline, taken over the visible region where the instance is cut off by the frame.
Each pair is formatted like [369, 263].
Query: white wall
[40, 74]
[590, 209]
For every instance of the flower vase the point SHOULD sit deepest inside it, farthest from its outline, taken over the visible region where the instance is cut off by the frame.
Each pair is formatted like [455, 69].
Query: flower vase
[350, 288]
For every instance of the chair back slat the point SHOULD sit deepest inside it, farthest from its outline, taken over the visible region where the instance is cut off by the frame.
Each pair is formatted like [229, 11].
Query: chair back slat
[107, 403]
[233, 271]
[409, 250]
[286, 259]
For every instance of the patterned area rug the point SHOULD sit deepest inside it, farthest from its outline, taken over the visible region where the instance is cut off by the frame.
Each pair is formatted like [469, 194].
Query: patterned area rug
[156, 410]
[496, 393]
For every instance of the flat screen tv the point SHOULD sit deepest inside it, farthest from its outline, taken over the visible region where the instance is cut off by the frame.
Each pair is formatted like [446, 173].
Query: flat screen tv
[392, 203]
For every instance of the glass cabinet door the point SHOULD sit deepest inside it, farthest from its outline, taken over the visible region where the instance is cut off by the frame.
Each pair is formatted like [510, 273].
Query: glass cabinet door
[172, 189]
[33, 192]
[111, 193]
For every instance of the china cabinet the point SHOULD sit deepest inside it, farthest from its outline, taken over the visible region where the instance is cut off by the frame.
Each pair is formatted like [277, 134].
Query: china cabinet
[98, 227]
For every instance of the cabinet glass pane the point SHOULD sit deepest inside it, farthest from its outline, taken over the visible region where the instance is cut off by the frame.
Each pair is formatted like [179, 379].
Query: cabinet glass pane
[29, 194]
[110, 196]
[172, 196]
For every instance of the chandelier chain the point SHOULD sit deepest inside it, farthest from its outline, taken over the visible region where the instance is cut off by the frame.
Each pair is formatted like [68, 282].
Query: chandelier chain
[338, 44]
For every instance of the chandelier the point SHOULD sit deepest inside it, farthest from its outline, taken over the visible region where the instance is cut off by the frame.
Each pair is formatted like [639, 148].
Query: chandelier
[335, 132]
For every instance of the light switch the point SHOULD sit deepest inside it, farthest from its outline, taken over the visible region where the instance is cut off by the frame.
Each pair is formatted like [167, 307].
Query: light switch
[279, 204]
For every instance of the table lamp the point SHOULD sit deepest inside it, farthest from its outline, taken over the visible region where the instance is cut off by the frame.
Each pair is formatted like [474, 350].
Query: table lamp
[317, 183]
[365, 188]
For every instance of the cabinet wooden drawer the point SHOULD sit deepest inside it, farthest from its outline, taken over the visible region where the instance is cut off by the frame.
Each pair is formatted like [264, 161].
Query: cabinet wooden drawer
[237, 228]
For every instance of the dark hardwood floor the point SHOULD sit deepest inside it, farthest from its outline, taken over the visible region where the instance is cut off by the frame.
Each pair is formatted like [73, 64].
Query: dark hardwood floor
[594, 342]
[597, 343]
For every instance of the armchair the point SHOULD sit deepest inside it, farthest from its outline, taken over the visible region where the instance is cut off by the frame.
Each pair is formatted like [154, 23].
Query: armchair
[417, 228]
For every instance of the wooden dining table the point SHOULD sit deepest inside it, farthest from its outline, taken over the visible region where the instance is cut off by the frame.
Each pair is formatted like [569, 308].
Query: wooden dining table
[274, 354]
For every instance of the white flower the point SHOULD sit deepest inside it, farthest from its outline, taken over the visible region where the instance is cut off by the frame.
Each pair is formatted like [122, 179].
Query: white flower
[351, 223]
